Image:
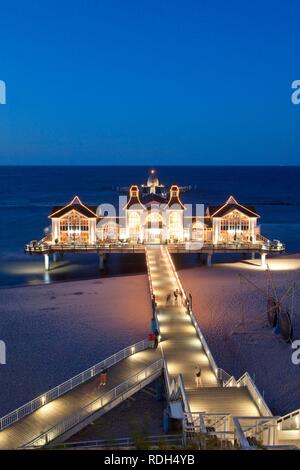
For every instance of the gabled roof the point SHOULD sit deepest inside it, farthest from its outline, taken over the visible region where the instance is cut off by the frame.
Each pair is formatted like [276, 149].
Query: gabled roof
[174, 198]
[230, 205]
[78, 206]
[134, 198]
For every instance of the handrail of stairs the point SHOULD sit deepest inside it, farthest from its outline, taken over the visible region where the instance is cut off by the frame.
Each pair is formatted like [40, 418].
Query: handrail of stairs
[119, 393]
[246, 381]
[175, 388]
[293, 420]
[68, 385]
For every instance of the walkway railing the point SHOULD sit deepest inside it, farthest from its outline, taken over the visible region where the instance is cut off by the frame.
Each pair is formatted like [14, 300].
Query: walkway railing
[290, 421]
[43, 246]
[104, 403]
[125, 442]
[65, 387]
[152, 292]
[176, 388]
[195, 323]
[224, 378]
[246, 381]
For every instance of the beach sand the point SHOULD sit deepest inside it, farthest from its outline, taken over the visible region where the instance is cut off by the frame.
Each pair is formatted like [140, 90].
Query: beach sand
[232, 315]
[52, 332]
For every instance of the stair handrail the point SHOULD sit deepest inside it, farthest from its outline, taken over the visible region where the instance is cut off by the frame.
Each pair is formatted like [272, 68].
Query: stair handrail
[247, 381]
[69, 384]
[95, 405]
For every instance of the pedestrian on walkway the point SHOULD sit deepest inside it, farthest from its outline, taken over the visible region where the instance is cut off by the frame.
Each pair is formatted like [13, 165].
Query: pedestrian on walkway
[181, 297]
[198, 377]
[168, 299]
[102, 378]
[151, 338]
[175, 297]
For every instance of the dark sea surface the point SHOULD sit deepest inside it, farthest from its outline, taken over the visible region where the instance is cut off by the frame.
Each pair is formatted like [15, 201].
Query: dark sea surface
[27, 195]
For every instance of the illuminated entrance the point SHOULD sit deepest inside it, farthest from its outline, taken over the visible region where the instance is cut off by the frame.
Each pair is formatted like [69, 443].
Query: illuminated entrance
[154, 232]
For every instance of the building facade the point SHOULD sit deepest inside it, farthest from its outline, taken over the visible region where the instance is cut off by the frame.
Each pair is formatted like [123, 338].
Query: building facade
[154, 214]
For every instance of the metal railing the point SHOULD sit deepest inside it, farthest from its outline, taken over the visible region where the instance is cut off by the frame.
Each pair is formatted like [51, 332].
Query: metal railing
[246, 381]
[290, 421]
[125, 442]
[68, 385]
[44, 245]
[176, 388]
[152, 291]
[105, 402]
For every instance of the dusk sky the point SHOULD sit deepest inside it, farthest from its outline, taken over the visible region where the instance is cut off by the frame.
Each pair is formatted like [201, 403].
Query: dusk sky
[149, 82]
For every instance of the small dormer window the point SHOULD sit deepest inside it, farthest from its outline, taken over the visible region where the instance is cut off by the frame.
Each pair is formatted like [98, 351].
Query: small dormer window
[134, 191]
[174, 191]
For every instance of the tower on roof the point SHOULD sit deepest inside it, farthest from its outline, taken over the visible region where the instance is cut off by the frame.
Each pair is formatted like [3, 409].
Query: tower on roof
[152, 181]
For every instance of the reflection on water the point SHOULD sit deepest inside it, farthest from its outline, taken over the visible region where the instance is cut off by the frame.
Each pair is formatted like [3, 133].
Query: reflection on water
[29, 270]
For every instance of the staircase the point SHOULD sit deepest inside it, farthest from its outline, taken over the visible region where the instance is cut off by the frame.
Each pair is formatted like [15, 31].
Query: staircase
[233, 400]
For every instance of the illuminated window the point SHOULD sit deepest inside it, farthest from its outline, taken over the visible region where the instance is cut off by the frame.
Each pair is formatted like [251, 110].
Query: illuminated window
[197, 231]
[175, 225]
[154, 220]
[134, 222]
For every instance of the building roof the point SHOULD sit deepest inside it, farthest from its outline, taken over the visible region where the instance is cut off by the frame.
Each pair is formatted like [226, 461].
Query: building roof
[174, 199]
[153, 197]
[134, 198]
[76, 204]
[231, 204]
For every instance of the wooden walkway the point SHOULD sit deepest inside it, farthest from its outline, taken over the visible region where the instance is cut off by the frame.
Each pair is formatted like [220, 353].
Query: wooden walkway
[182, 348]
[57, 410]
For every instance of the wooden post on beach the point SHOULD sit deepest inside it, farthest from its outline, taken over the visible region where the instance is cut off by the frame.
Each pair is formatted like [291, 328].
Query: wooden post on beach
[47, 262]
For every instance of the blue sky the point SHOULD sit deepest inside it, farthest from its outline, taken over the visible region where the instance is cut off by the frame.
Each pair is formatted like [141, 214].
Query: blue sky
[149, 82]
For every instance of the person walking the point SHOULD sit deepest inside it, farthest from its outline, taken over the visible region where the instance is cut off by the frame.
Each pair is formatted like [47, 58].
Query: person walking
[168, 299]
[198, 380]
[181, 297]
[102, 378]
[151, 339]
[175, 297]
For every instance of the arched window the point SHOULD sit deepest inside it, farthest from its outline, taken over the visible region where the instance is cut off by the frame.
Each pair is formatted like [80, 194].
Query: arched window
[74, 227]
[198, 231]
[154, 220]
[175, 225]
[235, 226]
[109, 231]
[134, 224]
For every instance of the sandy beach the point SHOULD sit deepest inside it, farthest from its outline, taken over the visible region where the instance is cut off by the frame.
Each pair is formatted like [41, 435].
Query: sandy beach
[53, 332]
[232, 315]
